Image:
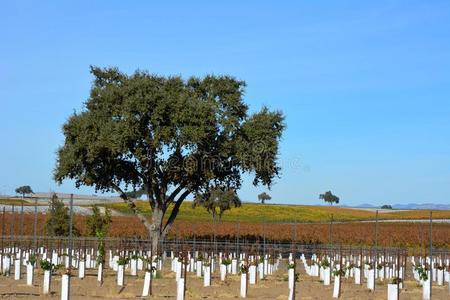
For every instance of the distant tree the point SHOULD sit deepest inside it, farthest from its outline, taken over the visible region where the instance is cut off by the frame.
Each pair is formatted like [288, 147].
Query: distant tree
[329, 198]
[263, 197]
[98, 223]
[58, 219]
[386, 206]
[24, 190]
[217, 200]
[135, 194]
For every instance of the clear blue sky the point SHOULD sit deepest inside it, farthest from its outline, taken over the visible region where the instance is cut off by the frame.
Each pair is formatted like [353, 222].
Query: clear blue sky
[365, 85]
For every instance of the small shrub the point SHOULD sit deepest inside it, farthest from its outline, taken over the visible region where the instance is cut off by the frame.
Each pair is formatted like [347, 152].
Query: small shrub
[324, 264]
[32, 260]
[339, 272]
[244, 269]
[122, 261]
[226, 261]
[46, 265]
[396, 280]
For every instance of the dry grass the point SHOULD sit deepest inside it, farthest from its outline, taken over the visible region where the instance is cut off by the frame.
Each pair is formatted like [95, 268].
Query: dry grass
[258, 213]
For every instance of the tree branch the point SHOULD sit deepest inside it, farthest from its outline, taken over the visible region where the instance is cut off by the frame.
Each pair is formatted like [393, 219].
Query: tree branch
[174, 194]
[174, 213]
[156, 191]
[133, 207]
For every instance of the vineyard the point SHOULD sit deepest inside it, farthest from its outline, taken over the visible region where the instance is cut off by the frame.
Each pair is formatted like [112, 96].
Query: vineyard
[258, 213]
[410, 235]
[345, 256]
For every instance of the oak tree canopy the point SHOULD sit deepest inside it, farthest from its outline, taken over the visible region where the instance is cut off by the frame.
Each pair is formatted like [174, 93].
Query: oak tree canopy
[169, 137]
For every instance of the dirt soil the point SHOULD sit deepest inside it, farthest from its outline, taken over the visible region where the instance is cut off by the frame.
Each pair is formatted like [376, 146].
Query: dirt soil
[274, 287]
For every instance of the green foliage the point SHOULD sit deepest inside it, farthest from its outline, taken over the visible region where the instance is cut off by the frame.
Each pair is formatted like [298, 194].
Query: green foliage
[226, 261]
[135, 194]
[206, 262]
[324, 263]
[123, 261]
[100, 259]
[339, 272]
[60, 266]
[24, 190]
[46, 265]
[244, 269]
[386, 206]
[396, 280]
[101, 246]
[32, 259]
[217, 201]
[263, 197]
[423, 272]
[58, 219]
[329, 198]
[169, 137]
[98, 222]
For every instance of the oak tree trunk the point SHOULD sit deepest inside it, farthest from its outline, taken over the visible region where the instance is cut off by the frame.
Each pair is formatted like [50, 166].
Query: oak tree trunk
[156, 233]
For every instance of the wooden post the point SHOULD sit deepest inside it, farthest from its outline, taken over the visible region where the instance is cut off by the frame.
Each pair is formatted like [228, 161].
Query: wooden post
[375, 265]
[185, 274]
[331, 231]
[361, 266]
[12, 220]
[264, 239]
[431, 252]
[398, 274]
[11, 230]
[19, 245]
[194, 241]
[151, 264]
[294, 256]
[3, 236]
[238, 237]
[35, 226]
[21, 219]
[70, 245]
[340, 269]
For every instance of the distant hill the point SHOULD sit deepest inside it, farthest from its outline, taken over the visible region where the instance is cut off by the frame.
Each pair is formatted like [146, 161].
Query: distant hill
[423, 206]
[430, 206]
[103, 199]
[77, 198]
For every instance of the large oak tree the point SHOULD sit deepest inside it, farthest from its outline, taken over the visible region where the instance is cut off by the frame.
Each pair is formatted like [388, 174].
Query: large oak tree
[169, 137]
